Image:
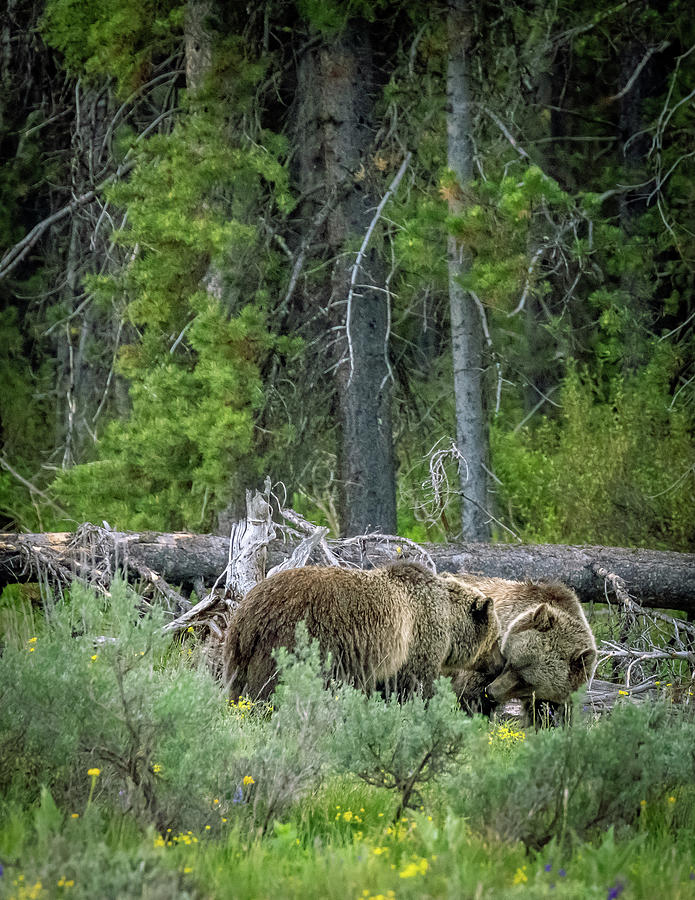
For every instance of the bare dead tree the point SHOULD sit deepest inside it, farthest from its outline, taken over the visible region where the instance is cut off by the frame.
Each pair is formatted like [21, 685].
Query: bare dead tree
[467, 339]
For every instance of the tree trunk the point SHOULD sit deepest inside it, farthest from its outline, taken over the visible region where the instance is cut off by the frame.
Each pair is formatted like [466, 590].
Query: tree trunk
[197, 43]
[657, 579]
[338, 87]
[466, 325]
[83, 341]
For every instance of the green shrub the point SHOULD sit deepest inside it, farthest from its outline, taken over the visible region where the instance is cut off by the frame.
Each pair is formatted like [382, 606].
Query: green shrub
[102, 688]
[402, 746]
[296, 750]
[614, 468]
[573, 783]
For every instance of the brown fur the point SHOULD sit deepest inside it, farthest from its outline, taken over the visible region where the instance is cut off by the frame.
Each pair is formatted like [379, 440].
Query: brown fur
[399, 622]
[548, 647]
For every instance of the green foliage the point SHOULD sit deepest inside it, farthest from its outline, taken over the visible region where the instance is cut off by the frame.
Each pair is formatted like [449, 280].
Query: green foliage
[22, 414]
[296, 751]
[614, 468]
[198, 416]
[196, 373]
[496, 228]
[570, 784]
[216, 389]
[23, 424]
[197, 798]
[102, 688]
[331, 17]
[115, 38]
[402, 746]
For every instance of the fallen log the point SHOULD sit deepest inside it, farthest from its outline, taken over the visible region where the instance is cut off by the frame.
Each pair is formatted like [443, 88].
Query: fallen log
[656, 579]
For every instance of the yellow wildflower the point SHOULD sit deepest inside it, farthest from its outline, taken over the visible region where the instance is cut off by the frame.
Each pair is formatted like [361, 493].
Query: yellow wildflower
[157, 768]
[248, 780]
[75, 816]
[94, 772]
[506, 736]
[520, 876]
[31, 640]
[418, 867]
[95, 656]
[624, 693]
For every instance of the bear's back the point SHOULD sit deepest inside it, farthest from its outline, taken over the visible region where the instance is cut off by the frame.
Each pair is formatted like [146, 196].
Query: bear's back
[364, 619]
[513, 598]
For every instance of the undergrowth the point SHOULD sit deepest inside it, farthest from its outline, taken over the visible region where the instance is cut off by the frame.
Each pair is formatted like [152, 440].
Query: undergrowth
[125, 772]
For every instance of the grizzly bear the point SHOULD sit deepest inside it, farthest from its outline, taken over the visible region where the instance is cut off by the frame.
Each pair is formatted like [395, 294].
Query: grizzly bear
[548, 647]
[400, 624]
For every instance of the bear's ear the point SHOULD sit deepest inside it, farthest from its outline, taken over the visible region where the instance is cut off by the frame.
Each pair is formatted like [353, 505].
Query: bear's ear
[482, 606]
[543, 618]
[581, 663]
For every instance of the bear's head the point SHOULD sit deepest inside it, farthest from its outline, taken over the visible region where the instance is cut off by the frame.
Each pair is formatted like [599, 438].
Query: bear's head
[548, 655]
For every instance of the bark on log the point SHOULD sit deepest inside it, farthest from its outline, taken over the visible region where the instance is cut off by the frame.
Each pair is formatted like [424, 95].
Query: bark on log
[655, 579]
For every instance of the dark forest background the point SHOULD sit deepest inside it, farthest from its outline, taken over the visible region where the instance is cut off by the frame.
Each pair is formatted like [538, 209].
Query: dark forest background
[307, 238]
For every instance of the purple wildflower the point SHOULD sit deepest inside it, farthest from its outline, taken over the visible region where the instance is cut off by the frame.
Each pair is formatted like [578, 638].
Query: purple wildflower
[562, 873]
[238, 796]
[616, 891]
[548, 867]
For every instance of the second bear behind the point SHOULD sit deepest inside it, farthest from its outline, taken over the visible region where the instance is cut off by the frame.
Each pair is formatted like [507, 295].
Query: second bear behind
[545, 639]
[399, 622]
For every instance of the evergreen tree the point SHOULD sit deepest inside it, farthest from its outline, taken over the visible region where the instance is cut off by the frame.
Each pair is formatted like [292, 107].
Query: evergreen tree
[201, 284]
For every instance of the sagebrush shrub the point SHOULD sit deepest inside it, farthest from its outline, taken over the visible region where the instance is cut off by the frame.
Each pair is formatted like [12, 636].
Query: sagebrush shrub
[570, 783]
[402, 746]
[297, 748]
[103, 687]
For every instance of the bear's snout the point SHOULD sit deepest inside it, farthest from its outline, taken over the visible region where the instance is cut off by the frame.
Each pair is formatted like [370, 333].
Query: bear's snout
[507, 685]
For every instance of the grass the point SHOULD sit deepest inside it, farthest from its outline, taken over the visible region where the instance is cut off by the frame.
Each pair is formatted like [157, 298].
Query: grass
[426, 855]
[185, 782]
